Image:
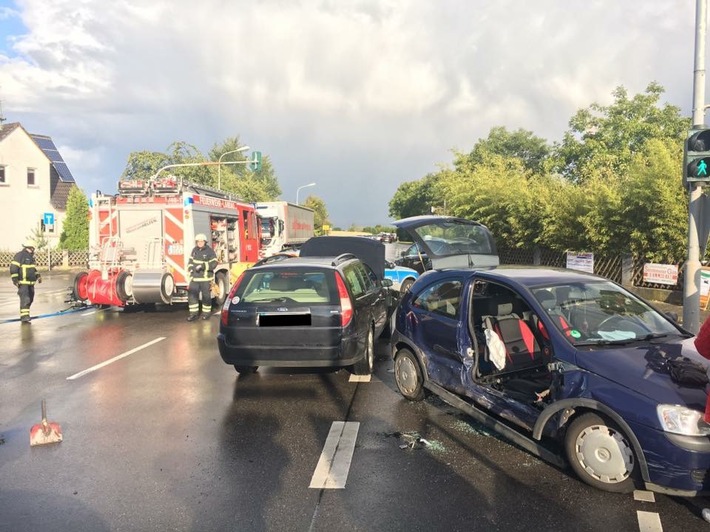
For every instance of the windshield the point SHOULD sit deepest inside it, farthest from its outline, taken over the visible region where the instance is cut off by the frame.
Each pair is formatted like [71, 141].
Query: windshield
[601, 312]
[447, 238]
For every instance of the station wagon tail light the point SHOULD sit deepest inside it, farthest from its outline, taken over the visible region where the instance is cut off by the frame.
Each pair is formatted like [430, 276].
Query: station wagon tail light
[224, 315]
[346, 306]
[678, 419]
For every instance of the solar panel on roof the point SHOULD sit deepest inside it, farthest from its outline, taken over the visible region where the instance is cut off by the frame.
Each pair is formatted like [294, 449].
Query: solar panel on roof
[63, 171]
[44, 142]
[50, 150]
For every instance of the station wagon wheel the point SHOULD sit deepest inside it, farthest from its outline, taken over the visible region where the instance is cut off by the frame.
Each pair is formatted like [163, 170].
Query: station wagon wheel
[408, 375]
[406, 285]
[367, 364]
[601, 454]
[245, 370]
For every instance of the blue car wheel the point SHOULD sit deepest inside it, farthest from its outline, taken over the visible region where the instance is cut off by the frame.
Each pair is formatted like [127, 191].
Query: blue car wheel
[408, 375]
[600, 454]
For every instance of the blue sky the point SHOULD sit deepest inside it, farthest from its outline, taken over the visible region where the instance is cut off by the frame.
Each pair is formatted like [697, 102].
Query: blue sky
[10, 25]
[355, 95]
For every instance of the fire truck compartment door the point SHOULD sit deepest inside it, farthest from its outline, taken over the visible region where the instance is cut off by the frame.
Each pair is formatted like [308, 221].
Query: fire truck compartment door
[142, 231]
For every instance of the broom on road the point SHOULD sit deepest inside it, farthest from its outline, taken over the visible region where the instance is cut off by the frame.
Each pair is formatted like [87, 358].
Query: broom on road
[45, 432]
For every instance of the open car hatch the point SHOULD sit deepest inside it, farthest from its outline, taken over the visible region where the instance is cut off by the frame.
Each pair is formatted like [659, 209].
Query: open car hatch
[451, 242]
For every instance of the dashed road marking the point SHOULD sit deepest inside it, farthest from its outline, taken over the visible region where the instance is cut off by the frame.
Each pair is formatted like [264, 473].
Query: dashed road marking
[334, 462]
[649, 522]
[644, 496]
[360, 378]
[114, 359]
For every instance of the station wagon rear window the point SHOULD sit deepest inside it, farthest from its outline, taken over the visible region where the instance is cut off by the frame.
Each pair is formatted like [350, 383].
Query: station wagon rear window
[300, 285]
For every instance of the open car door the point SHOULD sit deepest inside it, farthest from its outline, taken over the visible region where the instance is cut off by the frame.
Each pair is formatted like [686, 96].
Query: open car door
[450, 242]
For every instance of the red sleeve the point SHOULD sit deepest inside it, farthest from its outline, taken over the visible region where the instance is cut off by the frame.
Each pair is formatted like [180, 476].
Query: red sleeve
[702, 340]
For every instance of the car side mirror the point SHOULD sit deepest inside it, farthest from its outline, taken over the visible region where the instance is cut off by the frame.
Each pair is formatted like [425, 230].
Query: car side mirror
[403, 253]
[387, 282]
[673, 316]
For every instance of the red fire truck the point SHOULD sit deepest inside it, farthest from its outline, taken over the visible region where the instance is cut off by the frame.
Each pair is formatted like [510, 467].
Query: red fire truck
[141, 239]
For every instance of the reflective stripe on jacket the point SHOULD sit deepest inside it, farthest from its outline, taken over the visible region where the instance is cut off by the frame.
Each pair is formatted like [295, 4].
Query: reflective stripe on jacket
[206, 257]
[23, 268]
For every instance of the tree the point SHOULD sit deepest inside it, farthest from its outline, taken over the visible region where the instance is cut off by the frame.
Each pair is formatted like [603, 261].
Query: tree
[145, 164]
[608, 137]
[610, 186]
[655, 206]
[415, 198]
[320, 213]
[532, 151]
[240, 179]
[38, 237]
[75, 231]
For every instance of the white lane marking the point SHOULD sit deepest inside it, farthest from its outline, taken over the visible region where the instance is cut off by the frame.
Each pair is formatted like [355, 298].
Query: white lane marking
[649, 522]
[644, 496]
[88, 313]
[114, 359]
[334, 463]
[360, 378]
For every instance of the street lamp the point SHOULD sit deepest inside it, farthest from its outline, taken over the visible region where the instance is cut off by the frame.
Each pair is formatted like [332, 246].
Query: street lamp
[299, 190]
[219, 164]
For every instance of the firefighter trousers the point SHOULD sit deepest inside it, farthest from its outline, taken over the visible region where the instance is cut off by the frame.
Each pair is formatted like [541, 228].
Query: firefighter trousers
[27, 296]
[199, 290]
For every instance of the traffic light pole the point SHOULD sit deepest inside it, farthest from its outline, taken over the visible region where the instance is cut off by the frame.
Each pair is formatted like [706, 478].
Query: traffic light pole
[691, 283]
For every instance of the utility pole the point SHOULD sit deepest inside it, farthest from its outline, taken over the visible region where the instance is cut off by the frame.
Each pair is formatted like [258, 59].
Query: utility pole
[691, 282]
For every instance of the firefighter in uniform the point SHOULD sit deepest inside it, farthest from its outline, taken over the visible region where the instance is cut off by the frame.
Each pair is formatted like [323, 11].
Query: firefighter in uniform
[23, 272]
[201, 266]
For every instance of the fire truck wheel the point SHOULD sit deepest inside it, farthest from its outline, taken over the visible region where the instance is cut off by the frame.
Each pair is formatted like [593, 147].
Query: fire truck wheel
[124, 285]
[220, 294]
[81, 287]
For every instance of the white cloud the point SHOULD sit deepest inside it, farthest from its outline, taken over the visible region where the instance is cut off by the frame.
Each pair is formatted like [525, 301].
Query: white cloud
[357, 95]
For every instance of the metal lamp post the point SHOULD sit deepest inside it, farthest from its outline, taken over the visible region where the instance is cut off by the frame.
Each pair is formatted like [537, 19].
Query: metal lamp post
[299, 190]
[219, 164]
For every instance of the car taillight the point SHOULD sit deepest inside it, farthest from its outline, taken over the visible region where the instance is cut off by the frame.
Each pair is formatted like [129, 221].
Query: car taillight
[224, 316]
[346, 306]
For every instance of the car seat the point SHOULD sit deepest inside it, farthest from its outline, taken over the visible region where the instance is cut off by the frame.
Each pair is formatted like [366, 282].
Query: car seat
[525, 375]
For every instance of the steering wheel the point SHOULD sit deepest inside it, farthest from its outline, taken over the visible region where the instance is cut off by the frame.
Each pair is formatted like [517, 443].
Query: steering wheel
[616, 322]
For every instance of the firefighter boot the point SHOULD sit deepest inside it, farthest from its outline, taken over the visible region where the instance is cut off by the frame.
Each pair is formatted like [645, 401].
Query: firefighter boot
[192, 317]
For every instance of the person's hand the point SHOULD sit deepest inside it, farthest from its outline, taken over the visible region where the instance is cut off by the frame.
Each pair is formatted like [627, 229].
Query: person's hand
[16, 282]
[39, 279]
[199, 268]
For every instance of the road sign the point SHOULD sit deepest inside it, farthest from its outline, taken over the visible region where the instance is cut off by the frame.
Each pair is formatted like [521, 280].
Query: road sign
[48, 218]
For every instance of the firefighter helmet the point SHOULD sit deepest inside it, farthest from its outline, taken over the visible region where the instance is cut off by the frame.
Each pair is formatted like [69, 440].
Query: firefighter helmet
[200, 236]
[28, 244]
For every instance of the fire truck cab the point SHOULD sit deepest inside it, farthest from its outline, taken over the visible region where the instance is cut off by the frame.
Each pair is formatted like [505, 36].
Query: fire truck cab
[141, 240]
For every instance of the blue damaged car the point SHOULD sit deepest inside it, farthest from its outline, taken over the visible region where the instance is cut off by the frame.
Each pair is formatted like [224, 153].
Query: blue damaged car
[571, 366]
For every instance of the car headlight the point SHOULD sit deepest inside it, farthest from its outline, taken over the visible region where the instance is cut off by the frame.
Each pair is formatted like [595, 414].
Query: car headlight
[678, 419]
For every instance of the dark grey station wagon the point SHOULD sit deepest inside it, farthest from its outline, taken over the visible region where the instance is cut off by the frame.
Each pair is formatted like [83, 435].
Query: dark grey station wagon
[304, 312]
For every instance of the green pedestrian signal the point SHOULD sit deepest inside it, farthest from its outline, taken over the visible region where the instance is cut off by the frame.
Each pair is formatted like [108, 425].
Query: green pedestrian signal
[697, 157]
[256, 161]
